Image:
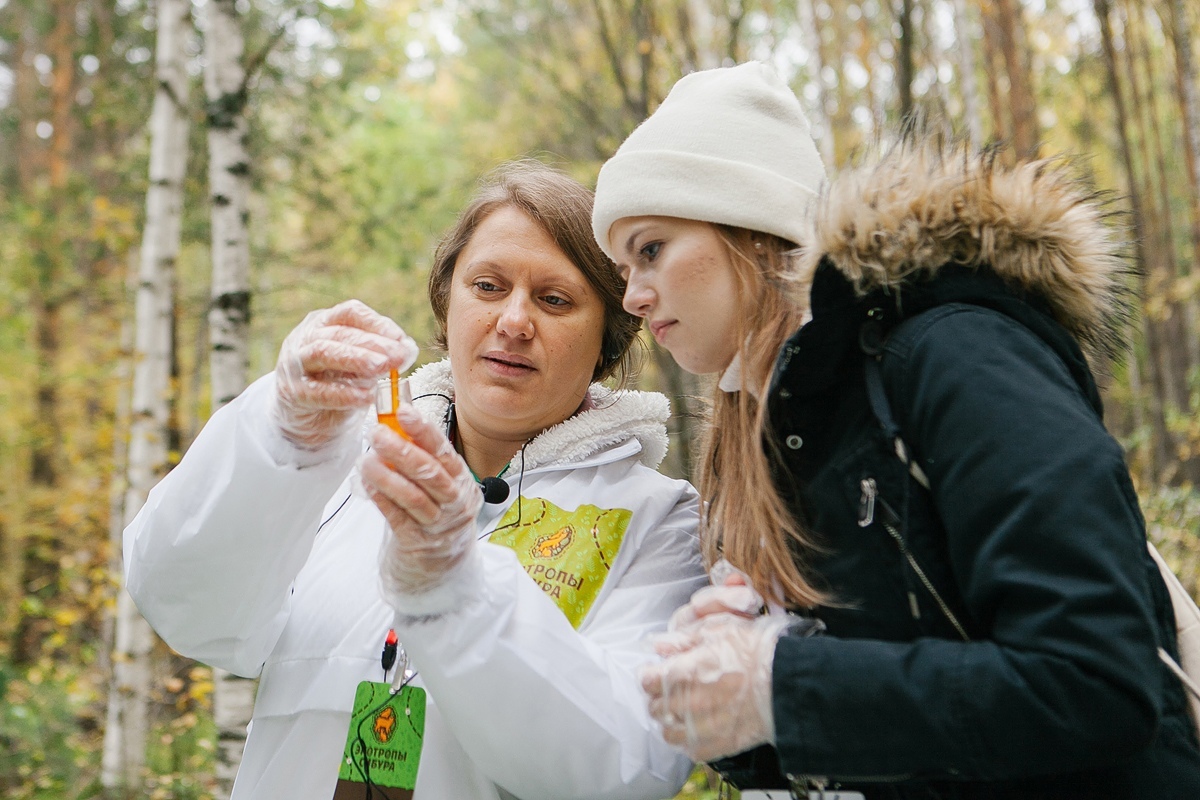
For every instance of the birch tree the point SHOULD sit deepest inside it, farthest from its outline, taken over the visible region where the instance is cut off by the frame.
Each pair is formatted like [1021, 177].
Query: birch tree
[225, 88]
[125, 734]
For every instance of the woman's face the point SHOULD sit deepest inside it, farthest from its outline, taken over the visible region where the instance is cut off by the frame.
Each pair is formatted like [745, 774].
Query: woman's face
[681, 281]
[524, 329]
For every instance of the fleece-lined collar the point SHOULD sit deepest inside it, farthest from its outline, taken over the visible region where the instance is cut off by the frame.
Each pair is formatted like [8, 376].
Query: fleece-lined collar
[609, 418]
[927, 207]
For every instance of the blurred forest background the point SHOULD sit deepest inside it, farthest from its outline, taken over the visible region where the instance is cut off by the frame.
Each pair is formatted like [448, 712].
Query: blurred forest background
[323, 145]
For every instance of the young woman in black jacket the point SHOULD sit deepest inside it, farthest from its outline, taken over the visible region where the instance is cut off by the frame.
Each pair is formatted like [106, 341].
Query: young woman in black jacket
[922, 467]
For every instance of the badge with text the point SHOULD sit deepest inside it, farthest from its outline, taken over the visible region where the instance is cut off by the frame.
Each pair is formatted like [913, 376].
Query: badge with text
[383, 746]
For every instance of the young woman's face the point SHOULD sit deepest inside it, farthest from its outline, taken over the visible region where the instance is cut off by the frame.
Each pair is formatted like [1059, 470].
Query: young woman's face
[524, 329]
[681, 281]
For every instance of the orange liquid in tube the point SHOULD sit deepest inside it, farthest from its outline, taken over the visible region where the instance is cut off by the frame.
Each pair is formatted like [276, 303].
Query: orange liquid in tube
[387, 399]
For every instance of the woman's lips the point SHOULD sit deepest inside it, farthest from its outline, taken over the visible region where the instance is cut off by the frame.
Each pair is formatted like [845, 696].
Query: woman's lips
[509, 363]
[658, 329]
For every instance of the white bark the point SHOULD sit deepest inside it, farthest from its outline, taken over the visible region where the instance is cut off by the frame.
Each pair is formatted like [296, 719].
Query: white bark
[124, 755]
[229, 315]
[229, 192]
[966, 74]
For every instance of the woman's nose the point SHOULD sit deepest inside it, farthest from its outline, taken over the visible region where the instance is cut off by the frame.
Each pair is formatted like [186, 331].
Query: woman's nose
[515, 319]
[639, 297]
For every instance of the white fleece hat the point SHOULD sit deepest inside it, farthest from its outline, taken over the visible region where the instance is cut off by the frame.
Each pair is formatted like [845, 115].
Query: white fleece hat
[730, 146]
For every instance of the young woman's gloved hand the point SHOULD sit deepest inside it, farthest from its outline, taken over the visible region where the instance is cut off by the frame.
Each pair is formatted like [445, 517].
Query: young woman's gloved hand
[712, 691]
[327, 367]
[731, 593]
[429, 498]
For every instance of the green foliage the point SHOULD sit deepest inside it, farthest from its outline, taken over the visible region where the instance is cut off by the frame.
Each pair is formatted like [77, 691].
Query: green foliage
[49, 741]
[1173, 525]
[181, 758]
[50, 735]
[370, 122]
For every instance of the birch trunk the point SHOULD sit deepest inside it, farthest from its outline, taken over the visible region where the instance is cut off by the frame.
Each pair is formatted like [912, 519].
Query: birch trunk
[120, 470]
[229, 315]
[124, 755]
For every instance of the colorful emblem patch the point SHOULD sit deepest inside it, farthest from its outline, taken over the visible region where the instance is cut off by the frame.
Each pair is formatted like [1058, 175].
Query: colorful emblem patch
[567, 553]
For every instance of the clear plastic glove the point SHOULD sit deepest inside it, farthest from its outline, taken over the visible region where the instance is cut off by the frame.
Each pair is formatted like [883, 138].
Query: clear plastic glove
[731, 593]
[712, 691]
[327, 367]
[426, 493]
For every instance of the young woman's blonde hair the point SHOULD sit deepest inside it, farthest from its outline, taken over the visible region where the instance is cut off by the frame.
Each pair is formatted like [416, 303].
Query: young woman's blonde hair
[746, 521]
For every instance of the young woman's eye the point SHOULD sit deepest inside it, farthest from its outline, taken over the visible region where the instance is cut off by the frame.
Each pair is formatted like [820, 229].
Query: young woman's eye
[650, 251]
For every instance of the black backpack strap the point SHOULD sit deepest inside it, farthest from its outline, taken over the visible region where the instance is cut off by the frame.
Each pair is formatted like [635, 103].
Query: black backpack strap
[872, 343]
[882, 410]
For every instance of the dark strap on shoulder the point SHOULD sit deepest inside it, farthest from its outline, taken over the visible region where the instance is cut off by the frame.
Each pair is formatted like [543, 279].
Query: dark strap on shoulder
[882, 409]
[878, 398]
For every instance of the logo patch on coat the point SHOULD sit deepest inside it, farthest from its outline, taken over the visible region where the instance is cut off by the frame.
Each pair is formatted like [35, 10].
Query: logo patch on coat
[566, 553]
[552, 545]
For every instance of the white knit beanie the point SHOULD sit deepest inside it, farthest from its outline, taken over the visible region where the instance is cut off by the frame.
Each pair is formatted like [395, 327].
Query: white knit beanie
[730, 146]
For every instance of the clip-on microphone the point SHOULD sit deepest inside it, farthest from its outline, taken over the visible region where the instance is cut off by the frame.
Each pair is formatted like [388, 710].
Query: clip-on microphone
[495, 490]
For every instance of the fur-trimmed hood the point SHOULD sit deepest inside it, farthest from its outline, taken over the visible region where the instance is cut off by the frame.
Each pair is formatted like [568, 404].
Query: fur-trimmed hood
[608, 418]
[926, 207]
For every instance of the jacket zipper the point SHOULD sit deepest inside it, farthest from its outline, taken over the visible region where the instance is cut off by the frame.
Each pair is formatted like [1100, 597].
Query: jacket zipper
[866, 515]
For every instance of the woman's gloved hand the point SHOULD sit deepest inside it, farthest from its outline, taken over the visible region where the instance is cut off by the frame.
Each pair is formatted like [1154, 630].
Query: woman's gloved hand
[712, 691]
[327, 367]
[430, 500]
[731, 593]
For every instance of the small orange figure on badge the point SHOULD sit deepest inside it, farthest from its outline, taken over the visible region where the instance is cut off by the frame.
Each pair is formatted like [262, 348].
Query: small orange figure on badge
[384, 725]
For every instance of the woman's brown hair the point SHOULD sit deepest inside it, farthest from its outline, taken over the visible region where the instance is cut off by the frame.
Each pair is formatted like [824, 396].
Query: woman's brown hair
[746, 521]
[563, 208]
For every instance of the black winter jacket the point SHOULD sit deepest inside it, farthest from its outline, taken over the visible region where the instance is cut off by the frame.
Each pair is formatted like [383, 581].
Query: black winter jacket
[1030, 538]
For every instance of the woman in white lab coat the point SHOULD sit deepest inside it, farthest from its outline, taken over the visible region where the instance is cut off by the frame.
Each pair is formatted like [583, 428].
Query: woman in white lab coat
[522, 616]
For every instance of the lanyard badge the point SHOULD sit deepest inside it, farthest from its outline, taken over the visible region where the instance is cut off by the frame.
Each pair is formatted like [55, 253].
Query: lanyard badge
[387, 730]
[383, 746]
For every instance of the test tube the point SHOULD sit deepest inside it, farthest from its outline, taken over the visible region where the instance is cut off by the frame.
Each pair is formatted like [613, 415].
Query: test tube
[390, 394]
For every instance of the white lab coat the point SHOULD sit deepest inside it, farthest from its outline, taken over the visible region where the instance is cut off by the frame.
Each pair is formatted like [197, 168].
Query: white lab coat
[256, 557]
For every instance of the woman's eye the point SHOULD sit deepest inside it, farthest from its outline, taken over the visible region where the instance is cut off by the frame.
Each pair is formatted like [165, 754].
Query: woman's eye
[555, 300]
[650, 251]
[486, 286]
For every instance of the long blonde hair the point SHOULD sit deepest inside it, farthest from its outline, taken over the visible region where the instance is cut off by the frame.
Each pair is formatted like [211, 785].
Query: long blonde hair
[746, 520]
